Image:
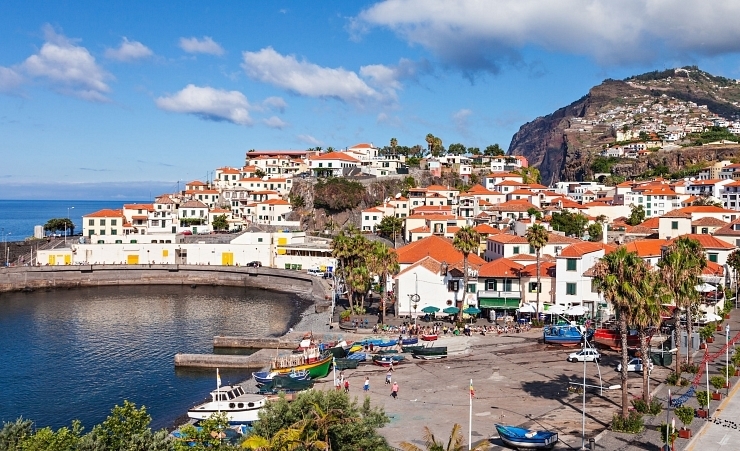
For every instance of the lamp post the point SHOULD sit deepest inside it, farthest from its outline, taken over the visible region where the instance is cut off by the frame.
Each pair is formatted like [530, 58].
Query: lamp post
[65, 224]
[5, 241]
[727, 357]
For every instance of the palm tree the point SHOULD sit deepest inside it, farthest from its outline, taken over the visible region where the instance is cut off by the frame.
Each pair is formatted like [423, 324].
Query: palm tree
[394, 143]
[383, 262]
[645, 316]
[466, 240]
[680, 268]
[733, 260]
[454, 443]
[430, 142]
[537, 237]
[617, 275]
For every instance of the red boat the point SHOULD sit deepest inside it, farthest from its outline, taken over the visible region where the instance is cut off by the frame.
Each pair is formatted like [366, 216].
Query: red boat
[612, 339]
[429, 337]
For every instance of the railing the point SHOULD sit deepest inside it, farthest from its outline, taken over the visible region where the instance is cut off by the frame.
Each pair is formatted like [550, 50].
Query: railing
[499, 294]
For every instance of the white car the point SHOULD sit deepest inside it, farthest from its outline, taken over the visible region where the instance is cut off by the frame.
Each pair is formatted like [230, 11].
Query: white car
[585, 355]
[635, 364]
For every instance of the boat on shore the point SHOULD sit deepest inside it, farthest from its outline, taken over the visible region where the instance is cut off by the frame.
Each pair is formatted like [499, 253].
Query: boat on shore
[348, 326]
[521, 438]
[409, 341]
[430, 352]
[239, 407]
[263, 377]
[612, 339]
[429, 337]
[411, 348]
[311, 360]
[346, 364]
[386, 360]
[285, 385]
[564, 335]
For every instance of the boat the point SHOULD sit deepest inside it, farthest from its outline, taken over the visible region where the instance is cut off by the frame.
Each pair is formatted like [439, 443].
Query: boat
[361, 356]
[411, 348]
[348, 326]
[263, 377]
[386, 361]
[387, 351]
[429, 337]
[394, 357]
[311, 360]
[409, 341]
[431, 351]
[287, 385]
[337, 351]
[239, 407]
[346, 364]
[567, 335]
[519, 438]
[612, 339]
[386, 344]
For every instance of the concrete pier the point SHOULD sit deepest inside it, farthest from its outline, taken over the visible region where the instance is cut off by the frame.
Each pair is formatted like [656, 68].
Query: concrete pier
[259, 359]
[253, 343]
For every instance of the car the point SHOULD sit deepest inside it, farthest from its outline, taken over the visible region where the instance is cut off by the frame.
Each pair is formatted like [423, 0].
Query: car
[254, 264]
[315, 272]
[635, 364]
[585, 355]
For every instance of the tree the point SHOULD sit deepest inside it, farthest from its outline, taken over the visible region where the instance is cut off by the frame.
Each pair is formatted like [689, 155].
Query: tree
[572, 224]
[493, 150]
[534, 212]
[637, 216]
[390, 226]
[707, 200]
[456, 149]
[329, 149]
[466, 240]
[529, 175]
[59, 225]
[537, 237]
[394, 144]
[474, 151]
[680, 268]
[14, 433]
[259, 173]
[208, 435]
[46, 439]
[454, 443]
[122, 424]
[645, 317]
[616, 276]
[430, 142]
[595, 232]
[220, 223]
[383, 262]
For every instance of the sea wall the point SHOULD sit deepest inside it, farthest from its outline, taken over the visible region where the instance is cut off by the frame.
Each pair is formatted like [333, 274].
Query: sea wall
[27, 278]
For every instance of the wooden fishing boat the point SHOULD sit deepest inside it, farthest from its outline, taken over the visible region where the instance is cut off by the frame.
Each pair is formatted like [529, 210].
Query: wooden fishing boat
[411, 348]
[346, 364]
[409, 341]
[394, 357]
[567, 335]
[429, 337]
[521, 438]
[431, 351]
[348, 326]
[310, 359]
[386, 361]
[263, 377]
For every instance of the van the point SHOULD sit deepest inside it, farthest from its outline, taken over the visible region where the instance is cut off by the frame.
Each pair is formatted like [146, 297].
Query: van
[315, 272]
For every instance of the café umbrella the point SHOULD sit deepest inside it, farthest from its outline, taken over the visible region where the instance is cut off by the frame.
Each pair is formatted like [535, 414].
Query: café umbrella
[451, 310]
[430, 309]
[471, 311]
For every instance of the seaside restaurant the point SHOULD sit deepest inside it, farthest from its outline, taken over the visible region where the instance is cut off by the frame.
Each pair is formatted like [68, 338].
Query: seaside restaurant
[499, 289]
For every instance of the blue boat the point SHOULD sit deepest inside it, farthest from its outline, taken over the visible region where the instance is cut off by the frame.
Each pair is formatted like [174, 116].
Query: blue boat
[264, 377]
[409, 341]
[361, 356]
[519, 438]
[567, 335]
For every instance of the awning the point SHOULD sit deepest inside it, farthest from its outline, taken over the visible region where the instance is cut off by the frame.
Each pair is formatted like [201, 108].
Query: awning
[501, 303]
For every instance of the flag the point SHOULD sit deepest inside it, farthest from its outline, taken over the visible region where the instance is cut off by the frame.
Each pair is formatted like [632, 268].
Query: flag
[218, 378]
[472, 391]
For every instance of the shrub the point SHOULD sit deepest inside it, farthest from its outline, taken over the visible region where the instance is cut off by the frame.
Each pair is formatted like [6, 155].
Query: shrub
[655, 407]
[345, 314]
[702, 397]
[718, 382]
[669, 432]
[673, 379]
[729, 370]
[685, 414]
[632, 424]
[685, 382]
[686, 368]
[640, 405]
[338, 194]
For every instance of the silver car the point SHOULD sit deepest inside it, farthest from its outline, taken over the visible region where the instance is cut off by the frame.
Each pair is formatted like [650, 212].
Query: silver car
[585, 355]
[635, 364]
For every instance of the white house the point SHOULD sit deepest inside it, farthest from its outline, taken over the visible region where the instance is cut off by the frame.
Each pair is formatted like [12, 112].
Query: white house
[332, 164]
[573, 285]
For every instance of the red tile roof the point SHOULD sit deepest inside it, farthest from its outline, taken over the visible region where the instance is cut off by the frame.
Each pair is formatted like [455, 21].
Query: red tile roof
[578, 250]
[439, 248]
[547, 269]
[708, 221]
[647, 248]
[708, 241]
[507, 238]
[335, 156]
[502, 267]
[106, 213]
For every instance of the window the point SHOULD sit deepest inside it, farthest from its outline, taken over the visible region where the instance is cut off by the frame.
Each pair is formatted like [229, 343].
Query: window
[713, 257]
[114, 232]
[259, 240]
[570, 289]
[532, 287]
[375, 218]
[102, 232]
[453, 285]
[367, 217]
[531, 250]
[102, 222]
[472, 288]
[674, 225]
[91, 222]
[571, 264]
[516, 250]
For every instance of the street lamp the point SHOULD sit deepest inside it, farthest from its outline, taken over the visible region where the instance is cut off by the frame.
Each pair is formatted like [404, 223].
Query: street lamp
[65, 224]
[5, 240]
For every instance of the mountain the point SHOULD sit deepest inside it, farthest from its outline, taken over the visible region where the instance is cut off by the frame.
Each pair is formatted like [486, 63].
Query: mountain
[667, 110]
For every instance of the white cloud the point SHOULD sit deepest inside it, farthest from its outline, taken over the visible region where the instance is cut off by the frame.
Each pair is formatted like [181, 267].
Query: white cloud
[129, 51]
[68, 68]
[208, 103]
[308, 139]
[9, 79]
[461, 120]
[275, 103]
[205, 45]
[275, 122]
[306, 79]
[484, 35]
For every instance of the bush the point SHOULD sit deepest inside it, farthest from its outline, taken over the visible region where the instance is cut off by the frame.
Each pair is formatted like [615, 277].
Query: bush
[654, 408]
[702, 397]
[632, 424]
[685, 414]
[718, 382]
[686, 368]
[640, 405]
[673, 379]
[685, 382]
[344, 315]
[667, 430]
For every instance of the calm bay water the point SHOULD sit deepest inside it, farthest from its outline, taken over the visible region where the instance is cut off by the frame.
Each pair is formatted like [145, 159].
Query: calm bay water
[74, 354]
[17, 217]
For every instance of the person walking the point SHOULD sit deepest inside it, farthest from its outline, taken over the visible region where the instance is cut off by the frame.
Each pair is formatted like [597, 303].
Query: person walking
[346, 385]
[366, 387]
[388, 377]
[394, 390]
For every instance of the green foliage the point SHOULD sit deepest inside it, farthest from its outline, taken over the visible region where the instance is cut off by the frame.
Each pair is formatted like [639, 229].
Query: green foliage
[707, 331]
[637, 215]
[685, 414]
[123, 423]
[668, 433]
[702, 397]
[718, 382]
[64, 439]
[534, 212]
[335, 418]
[59, 225]
[735, 359]
[652, 408]
[604, 164]
[595, 232]
[631, 424]
[570, 223]
[456, 149]
[209, 434]
[344, 315]
[657, 75]
[390, 226]
[686, 368]
[338, 194]
[296, 201]
[14, 433]
[493, 150]
[259, 173]
[673, 379]
[711, 135]
[186, 222]
[220, 223]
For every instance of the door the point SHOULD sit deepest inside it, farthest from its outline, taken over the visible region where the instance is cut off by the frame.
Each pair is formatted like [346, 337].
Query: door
[133, 260]
[227, 258]
[67, 259]
[52, 260]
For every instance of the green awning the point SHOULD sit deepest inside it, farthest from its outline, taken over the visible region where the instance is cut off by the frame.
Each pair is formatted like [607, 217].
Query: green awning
[502, 303]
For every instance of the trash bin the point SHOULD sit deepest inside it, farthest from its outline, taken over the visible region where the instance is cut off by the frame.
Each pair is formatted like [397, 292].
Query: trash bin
[287, 266]
[656, 358]
[667, 359]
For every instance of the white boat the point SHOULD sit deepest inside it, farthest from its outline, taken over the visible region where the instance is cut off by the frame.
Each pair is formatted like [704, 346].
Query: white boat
[239, 407]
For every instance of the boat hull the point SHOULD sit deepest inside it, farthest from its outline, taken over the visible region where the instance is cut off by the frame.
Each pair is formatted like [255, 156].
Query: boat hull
[612, 339]
[411, 348]
[520, 438]
[348, 327]
[431, 337]
[346, 364]
[315, 370]
[430, 351]
[238, 411]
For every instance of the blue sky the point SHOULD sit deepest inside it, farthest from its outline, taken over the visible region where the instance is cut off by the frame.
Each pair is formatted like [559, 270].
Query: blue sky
[106, 100]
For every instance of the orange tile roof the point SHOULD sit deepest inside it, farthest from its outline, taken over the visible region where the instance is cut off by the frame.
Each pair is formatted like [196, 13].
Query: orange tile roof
[275, 202]
[652, 223]
[708, 241]
[362, 146]
[578, 250]
[706, 182]
[502, 267]
[507, 238]
[709, 221]
[373, 210]
[547, 269]
[647, 248]
[509, 183]
[105, 213]
[523, 191]
[502, 174]
[228, 170]
[485, 228]
[713, 269]
[335, 156]
[428, 263]
[196, 183]
[439, 188]
[431, 217]
[479, 189]
[147, 207]
[439, 248]
[554, 238]
[193, 204]
[515, 205]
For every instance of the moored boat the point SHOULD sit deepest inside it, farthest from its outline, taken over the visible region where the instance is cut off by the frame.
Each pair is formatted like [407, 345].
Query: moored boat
[348, 326]
[566, 335]
[409, 341]
[517, 437]
[429, 337]
[310, 359]
[431, 351]
[386, 361]
[346, 364]
[411, 348]
[394, 357]
[263, 377]
[239, 407]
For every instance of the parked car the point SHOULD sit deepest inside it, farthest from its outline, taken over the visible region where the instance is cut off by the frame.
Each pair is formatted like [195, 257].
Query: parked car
[316, 272]
[635, 364]
[254, 264]
[585, 355]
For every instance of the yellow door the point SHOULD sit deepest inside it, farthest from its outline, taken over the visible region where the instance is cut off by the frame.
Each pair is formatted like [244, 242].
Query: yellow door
[227, 258]
[67, 259]
[133, 260]
[52, 260]
[282, 241]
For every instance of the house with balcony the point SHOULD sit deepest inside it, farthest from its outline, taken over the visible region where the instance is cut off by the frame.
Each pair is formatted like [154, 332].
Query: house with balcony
[273, 212]
[731, 195]
[680, 222]
[400, 206]
[193, 217]
[138, 216]
[371, 217]
[495, 178]
[226, 177]
[528, 277]
[333, 164]
[573, 282]
[104, 226]
[498, 286]
[418, 227]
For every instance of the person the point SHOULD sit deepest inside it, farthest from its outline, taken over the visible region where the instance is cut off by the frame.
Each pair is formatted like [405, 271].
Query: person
[394, 390]
[346, 385]
[388, 377]
[337, 384]
[366, 387]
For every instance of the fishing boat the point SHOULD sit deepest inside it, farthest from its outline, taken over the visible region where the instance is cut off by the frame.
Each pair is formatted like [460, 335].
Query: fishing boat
[519, 438]
[386, 361]
[263, 377]
[411, 348]
[409, 341]
[612, 339]
[429, 337]
[567, 335]
[386, 344]
[346, 364]
[361, 356]
[387, 351]
[239, 407]
[337, 351]
[436, 352]
[348, 326]
[394, 357]
[311, 360]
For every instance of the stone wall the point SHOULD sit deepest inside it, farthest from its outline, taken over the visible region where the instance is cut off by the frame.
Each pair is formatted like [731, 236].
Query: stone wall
[50, 277]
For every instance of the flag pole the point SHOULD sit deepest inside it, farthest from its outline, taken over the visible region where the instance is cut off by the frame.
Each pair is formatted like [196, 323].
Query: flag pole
[470, 418]
[218, 395]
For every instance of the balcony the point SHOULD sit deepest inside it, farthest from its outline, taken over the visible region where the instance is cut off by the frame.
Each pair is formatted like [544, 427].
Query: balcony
[500, 294]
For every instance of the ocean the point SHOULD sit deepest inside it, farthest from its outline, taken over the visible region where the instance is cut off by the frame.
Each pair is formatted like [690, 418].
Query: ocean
[18, 217]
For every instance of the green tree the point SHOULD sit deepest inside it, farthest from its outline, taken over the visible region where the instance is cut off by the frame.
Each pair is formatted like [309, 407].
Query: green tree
[733, 260]
[59, 225]
[394, 145]
[537, 237]
[259, 173]
[466, 240]
[220, 223]
[474, 151]
[595, 232]
[493, 150]
[680, 268]
[46, 439]
[390, 226]
[637, 215]
[122, 424]
[707, 200]
[383, 262]
[572, 224]
[616, 276]
[645, 316]
[534, 212]
[454, 443]
[338, 194]
[208, 435]
[13, 433]
[456, 149]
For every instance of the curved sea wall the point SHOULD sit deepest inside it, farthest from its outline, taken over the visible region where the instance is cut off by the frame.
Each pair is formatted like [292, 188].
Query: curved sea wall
[24, 278]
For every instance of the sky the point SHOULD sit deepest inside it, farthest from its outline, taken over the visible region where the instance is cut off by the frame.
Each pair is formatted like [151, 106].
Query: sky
[105, 100]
